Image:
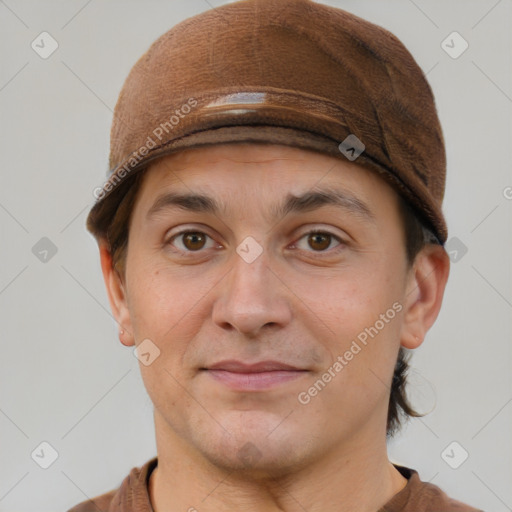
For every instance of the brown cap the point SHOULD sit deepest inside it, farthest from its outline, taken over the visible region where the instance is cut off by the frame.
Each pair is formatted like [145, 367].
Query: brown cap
[290, 72]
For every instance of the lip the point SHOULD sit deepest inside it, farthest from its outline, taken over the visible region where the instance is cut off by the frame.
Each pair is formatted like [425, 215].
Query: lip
[263, 375]
[235, 366]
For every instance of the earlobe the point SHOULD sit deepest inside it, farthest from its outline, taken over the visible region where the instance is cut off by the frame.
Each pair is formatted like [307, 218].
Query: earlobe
[116, 295]
[424, 294]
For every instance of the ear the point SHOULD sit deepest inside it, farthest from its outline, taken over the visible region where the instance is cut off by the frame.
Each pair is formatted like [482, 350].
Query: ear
[424, 294]
[116, 295]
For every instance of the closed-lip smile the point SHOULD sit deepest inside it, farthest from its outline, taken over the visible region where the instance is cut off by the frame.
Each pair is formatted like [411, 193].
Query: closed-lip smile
[259, 376]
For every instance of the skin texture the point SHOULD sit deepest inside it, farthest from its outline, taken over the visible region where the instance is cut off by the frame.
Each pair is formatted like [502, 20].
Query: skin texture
[303, 301]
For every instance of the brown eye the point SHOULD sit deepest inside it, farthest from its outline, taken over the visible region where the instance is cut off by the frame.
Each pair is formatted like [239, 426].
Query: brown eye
[193, 240]
[191, 243]
[319, 241]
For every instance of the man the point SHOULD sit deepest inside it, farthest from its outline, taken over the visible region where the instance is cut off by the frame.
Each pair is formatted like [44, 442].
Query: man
[271, 238]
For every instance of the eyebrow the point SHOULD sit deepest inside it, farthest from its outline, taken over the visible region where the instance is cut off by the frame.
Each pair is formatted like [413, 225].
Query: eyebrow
[306, 202]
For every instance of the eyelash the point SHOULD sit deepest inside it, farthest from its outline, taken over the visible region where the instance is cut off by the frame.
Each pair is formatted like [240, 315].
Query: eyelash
[340, 246]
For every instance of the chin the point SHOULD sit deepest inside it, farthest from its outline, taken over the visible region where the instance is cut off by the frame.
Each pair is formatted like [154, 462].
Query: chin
[254, 461]
[253, 446]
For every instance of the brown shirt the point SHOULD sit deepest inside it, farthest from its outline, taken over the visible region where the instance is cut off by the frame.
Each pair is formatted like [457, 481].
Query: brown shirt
[133, 496]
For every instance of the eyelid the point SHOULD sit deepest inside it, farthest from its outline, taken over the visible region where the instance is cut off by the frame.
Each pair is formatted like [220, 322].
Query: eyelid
[328, 229]
[198, 228]
[321, 229]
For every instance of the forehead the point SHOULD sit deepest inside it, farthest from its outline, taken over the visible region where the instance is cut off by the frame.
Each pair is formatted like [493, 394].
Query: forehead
[272, 179]
[242, 165]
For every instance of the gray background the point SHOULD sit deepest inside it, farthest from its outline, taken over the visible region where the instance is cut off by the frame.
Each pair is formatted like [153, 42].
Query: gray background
[66, 379]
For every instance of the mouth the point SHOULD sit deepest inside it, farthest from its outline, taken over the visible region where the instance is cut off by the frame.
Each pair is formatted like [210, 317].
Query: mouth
[264, 375]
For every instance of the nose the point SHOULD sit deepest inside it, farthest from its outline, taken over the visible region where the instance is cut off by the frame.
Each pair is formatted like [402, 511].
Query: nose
[251, 297]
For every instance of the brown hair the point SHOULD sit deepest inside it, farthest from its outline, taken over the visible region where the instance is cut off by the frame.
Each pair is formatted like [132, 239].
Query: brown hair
[416, 237]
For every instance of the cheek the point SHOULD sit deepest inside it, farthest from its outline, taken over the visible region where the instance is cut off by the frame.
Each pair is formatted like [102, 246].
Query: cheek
[151, 308]
[363, 311]
[168, 308]
[348, 301]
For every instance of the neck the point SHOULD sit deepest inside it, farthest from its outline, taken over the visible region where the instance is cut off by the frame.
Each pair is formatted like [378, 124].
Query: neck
[355, 478]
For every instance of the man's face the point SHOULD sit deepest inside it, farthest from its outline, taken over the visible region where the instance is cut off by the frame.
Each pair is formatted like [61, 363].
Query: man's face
[251, 312]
